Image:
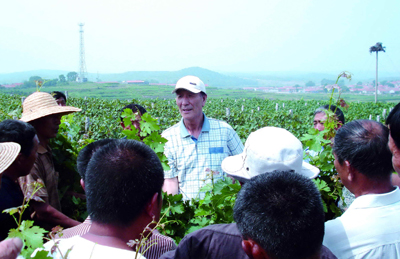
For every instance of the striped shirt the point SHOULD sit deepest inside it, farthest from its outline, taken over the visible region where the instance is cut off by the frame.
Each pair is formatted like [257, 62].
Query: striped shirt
[43, 171]
[162, 244]
[193, 161]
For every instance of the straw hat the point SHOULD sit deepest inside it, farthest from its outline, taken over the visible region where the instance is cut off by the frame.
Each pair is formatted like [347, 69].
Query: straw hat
[41, 104]
[8, 153]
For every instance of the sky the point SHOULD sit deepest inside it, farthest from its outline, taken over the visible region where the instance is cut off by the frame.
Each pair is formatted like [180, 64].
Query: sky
[227, 36]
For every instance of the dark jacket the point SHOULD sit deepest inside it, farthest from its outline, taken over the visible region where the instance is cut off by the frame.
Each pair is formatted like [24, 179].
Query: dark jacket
[217, 241]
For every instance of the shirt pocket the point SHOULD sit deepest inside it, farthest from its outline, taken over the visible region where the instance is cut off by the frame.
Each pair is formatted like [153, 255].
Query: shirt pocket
[216, 150]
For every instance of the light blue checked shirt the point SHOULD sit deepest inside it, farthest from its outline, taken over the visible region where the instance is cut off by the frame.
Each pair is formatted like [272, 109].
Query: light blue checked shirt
[191, 161]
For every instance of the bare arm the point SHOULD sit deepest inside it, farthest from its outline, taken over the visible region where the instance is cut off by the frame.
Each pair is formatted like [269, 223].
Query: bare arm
[46, 213]
[171, 185]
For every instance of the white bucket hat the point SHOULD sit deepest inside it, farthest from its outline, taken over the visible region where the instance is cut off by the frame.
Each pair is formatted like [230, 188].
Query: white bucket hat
[41, 104]
[266, 150]
[8, 153]
[191, 83]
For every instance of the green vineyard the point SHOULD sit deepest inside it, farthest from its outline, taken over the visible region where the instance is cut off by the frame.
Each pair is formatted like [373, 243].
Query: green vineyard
[100, 119]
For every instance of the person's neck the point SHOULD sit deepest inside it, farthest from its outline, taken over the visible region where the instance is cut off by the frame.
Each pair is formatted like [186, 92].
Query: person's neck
[373, 187]
[194, 126]
[44, 142]
[11, 173]
[115, 236]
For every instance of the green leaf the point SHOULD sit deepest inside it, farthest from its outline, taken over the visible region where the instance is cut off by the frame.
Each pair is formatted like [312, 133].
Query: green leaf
[32, 236]
[42, 254]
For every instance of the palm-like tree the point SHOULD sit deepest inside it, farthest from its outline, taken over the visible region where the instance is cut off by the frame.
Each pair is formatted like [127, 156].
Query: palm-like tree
[376, 48]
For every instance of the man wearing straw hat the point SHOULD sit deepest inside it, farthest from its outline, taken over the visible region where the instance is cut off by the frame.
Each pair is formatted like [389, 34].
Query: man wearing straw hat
[42, 112]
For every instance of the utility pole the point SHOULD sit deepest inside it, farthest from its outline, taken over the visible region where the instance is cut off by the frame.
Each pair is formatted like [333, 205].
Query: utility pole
[376, 48]
[82, 63]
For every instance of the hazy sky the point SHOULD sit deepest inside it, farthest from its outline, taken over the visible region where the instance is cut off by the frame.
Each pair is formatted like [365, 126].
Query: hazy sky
[221, 35]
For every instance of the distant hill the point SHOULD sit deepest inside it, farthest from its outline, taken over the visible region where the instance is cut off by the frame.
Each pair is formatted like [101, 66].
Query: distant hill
[209, 77]
[19, 77]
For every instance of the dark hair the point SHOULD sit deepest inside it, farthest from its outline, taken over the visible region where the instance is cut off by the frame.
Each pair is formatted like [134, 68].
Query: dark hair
[134, 107]
[86, 154]
[281, 211]
[57, 95]
[364, 144]
[121, 178]
[334, 109]
[393, 120]
[19, 132]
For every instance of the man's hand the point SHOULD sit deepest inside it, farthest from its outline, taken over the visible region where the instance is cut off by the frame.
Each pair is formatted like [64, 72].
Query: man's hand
[171, 185]
[46, 213]
[10, 248]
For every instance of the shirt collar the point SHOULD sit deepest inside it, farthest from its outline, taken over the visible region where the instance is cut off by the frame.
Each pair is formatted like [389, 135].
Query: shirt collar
[204, 128]
[376, 200]
[42, 150]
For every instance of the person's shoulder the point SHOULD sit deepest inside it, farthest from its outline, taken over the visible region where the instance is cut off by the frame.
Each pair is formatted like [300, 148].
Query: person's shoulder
[157, 235]
[218, 229]
[215, 123]
[171, 130]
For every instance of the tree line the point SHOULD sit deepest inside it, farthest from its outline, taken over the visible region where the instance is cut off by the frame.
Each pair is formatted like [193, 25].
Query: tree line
[61, 80]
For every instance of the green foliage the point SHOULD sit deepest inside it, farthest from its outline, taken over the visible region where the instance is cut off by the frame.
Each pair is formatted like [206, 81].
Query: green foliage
[310, 83]
[184, 216]
[31, 235]
[149, 133]
[216, 207]
[65, 148]
[72, 76]
[62, 79]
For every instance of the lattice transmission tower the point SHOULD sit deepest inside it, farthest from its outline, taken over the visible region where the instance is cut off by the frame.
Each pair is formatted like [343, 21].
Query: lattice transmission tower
[82, 64]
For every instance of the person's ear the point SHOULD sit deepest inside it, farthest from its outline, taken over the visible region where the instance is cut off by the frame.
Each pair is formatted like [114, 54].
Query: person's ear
[349, 171]
[253, 250]
[82, 184]
[20, 160]
[153, 207]
[204, 99]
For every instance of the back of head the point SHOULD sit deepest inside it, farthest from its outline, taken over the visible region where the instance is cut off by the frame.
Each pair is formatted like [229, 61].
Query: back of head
[336, 110]
[282, 212]
[121, 178]
[57, 95]
[19, 132]
[364, 144]
[135, 108]
[393, 121]
[86, 154]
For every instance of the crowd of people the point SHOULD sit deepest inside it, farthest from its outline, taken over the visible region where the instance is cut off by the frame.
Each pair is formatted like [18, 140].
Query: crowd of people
[278, 211]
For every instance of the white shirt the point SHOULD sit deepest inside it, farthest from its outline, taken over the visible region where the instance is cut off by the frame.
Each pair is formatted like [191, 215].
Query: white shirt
[369, 228]
[82, 248]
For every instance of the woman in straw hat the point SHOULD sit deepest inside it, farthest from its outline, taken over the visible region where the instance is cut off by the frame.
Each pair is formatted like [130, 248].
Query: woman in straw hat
[44, 114]
[19, 145]
[9, 152]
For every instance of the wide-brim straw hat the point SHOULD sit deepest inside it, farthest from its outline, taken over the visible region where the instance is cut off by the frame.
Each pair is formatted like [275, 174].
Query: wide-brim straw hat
[8, 153]
[41, 104]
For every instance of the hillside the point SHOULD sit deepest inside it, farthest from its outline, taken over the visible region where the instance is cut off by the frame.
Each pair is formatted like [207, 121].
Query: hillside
[209, 77]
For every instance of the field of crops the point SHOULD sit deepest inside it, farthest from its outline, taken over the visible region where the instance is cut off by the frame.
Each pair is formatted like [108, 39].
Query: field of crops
[100, 119]
[245, 115]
